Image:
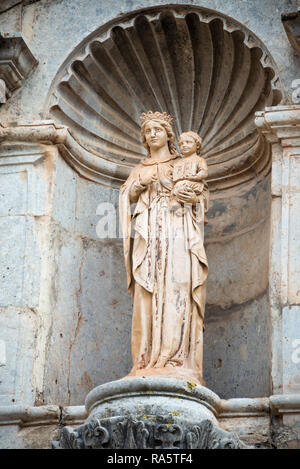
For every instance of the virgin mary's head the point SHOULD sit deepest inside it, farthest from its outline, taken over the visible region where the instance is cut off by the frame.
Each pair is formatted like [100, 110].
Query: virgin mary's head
[163, 121]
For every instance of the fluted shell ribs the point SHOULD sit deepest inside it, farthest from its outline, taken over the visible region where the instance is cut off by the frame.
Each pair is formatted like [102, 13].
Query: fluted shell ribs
[209, 72]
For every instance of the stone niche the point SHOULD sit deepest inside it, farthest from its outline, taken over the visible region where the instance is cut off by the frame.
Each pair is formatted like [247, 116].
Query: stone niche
[211, 74]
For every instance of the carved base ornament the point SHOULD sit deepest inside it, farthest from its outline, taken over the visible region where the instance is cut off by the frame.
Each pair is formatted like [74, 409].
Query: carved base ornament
[150, 413]
[154, 432]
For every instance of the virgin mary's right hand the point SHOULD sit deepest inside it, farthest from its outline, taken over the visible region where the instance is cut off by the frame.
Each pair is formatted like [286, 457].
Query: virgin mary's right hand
[147, 178]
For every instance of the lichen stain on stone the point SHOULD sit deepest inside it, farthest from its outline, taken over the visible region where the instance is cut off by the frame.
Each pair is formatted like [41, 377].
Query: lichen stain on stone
[191, 385]
[175, 412]
[107, 413]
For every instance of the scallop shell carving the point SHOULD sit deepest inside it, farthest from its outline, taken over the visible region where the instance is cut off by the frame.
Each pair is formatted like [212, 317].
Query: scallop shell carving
[209, 73]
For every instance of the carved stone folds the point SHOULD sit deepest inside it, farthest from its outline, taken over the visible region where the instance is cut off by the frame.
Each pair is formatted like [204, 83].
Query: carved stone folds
[16, 61]
[151, 413]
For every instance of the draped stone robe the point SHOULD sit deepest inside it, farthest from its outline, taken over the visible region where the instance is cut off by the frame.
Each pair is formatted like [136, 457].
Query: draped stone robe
[166, 269]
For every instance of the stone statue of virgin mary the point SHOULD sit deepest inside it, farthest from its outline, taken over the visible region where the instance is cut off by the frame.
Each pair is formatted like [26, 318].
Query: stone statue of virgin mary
[165, 260]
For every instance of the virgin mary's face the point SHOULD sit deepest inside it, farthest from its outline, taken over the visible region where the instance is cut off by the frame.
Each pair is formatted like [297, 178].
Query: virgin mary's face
[155, 135]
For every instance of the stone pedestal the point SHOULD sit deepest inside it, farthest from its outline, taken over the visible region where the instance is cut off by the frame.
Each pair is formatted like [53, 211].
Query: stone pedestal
[150, 413]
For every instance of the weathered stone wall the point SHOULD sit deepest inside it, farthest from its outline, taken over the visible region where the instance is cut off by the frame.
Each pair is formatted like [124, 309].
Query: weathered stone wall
[237, 344]
[90, 332]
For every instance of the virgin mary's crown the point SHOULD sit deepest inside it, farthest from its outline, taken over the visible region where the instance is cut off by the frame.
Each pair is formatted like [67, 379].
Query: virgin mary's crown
[158, 116]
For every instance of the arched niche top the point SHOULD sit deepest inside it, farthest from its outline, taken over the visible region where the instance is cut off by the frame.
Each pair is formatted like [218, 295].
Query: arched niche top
[205, 69]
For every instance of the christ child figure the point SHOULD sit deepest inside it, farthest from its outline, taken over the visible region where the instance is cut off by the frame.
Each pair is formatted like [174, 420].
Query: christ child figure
[189, 172]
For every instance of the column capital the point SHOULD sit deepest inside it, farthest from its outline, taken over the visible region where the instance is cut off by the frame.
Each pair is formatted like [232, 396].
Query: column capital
[280, 124]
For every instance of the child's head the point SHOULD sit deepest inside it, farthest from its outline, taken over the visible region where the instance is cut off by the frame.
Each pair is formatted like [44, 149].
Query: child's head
[190, 143]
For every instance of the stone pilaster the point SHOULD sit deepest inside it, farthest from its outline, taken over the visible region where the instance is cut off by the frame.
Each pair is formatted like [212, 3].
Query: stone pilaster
[281, 126]
[27, 176]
